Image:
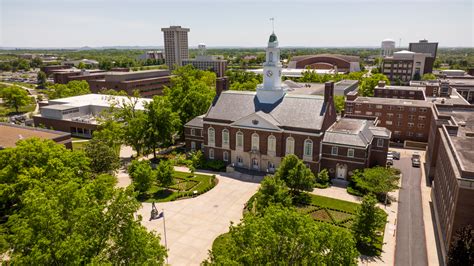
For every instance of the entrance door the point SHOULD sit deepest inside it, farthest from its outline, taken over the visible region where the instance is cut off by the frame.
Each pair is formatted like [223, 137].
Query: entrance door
[341, 171]
[255, 164]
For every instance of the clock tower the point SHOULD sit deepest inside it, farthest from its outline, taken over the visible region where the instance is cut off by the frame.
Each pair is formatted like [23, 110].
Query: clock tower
[271, 90]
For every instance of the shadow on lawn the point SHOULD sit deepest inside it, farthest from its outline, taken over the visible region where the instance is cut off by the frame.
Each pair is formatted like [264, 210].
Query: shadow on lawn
[160, 194]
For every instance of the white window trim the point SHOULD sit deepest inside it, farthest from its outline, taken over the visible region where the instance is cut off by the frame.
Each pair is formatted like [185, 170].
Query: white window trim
[211, 154]
[237, 147]
[308, 157]
[255, 146]
[225, 132]
[271, 152]
[213, 141]
[287, 147]
[380, 141]
[225, 156]
[334, 148]
[349, 151]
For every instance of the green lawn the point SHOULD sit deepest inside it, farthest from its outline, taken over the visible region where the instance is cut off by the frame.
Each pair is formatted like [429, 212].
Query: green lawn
[76, 146]
[184, 186]
[332, 203]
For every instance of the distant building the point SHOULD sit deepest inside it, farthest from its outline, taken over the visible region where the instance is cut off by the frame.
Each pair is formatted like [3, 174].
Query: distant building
[337, 62]
[400, 92]
[48, 70]
[78, 115]
[450, 164]
[64, 76]
[341, 88]
[176, 45]
[10, 134]
[155, 55]
[404, 66]
[87, 62]
[388, 47]
[207, 62]
[425, 47]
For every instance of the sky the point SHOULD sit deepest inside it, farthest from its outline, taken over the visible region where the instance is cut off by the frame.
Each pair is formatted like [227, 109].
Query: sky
[309, 23]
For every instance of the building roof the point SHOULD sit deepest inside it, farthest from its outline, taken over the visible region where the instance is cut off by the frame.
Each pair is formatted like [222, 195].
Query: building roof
[97, 100]
[348, 58]
[354, 132]
[392, 101]
[292, 111]
[404, 88]
[196, 122]
[13, 133]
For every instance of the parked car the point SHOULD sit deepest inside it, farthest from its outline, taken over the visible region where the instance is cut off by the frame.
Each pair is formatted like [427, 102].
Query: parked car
[395, 154]
[415, 159]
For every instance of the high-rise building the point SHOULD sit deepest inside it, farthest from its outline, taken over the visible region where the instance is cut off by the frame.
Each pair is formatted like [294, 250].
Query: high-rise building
[404, 66]
[176, 45]
[425, 47]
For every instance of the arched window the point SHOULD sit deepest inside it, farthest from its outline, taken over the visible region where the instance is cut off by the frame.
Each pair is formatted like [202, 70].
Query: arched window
[308, 148]
[239, 140]
[225, 137]
[225, 156]
[211, 136]
[290, 145]
[271, 144]
[255, 142]
[211, 153]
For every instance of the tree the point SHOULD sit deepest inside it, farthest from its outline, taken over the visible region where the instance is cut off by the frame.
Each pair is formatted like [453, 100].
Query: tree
[165, 172]
[428, 76]
[41, 79]
[378, 180]
[73, 88]
[367, 223]
[368, 84]
[15, 97]
[272, 191]
[81, 65]
[141, 174]
[322, 177]
[191, 92]
[162, 123]
[104, 158]
[296, 175]
[339, 102]
[461, 251]
[197, 159]
[284, 237]
[58, 212]
[36, 62]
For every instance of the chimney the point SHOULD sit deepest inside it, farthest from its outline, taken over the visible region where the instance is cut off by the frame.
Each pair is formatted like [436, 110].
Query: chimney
[222, 84]
[381, 83]
[328, 91]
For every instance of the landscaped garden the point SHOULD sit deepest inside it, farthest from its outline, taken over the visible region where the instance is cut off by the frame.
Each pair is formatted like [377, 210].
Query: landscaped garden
[184, 185]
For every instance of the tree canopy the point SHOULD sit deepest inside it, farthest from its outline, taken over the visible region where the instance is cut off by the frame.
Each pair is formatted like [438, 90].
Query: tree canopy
[15, 97]
[58, 212]
[272, 191]
[461, 251]
[73, 88]
[296, 175]
[284, 237]
[378, 180]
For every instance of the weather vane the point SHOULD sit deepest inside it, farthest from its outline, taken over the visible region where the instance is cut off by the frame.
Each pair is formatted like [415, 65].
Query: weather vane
[273, 24]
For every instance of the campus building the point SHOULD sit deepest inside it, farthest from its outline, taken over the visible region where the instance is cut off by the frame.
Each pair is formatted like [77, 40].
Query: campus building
[207, 62]
[255, 130]
[428, 48]
[403, 66]
[337, 62]
[450, 164]
[11, 134]
[79, 115]
[176, 45]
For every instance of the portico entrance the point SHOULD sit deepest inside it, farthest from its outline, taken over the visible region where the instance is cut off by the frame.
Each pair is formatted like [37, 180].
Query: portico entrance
[255, 164]
[341, 171]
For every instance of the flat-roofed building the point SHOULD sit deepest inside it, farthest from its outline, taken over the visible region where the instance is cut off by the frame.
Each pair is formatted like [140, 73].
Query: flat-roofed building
[207, 62]
[78, 115]
[64, 76]
[336, 62]
[400, 92]
[176, 45]
[404, 66]
[425, 47]
[10, 134]
[450, 164]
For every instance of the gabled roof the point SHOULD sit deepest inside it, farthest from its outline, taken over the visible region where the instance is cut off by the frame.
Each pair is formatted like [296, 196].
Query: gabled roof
[195, 122]
[292, 111]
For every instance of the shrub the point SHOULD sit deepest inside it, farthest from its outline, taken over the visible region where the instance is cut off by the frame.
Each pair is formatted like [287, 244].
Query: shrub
[301, 198]
[215, 165]
[141, 174]
[197, 159]
[164, 173]
[322, 179]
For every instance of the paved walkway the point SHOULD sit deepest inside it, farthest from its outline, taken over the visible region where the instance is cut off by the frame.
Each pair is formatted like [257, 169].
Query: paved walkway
[193, 224]
[411, 241]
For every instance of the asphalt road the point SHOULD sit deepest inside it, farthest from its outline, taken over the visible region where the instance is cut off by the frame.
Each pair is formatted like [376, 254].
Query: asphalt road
[411, 243]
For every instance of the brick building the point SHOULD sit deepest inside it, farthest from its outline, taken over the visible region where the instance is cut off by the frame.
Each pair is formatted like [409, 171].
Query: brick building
[10, 134]
[450, 163]
[400, 92]
[255, 130]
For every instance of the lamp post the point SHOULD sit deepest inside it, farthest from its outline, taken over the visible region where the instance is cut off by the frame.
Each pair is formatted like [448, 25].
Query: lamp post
[154, 215]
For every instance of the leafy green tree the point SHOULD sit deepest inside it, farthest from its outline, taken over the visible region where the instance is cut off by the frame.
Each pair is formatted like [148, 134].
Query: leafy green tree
[368, 222]
[284, 237]
[36, 62]
[296, 175]
[41, 79]
[378, 180]
[113, 92]
[162, 123]
[165, 172]
[339, 102]
[272, 191]
[81, 65]
[461, 251]
[243, 80]
[323, 177]
[15, 97]
[58, 212]
[191, 92]
[428, 76]
[73, 88]
[141, 174]
[110, 132]
[197, 159]
[368, 84]
[103, 157]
